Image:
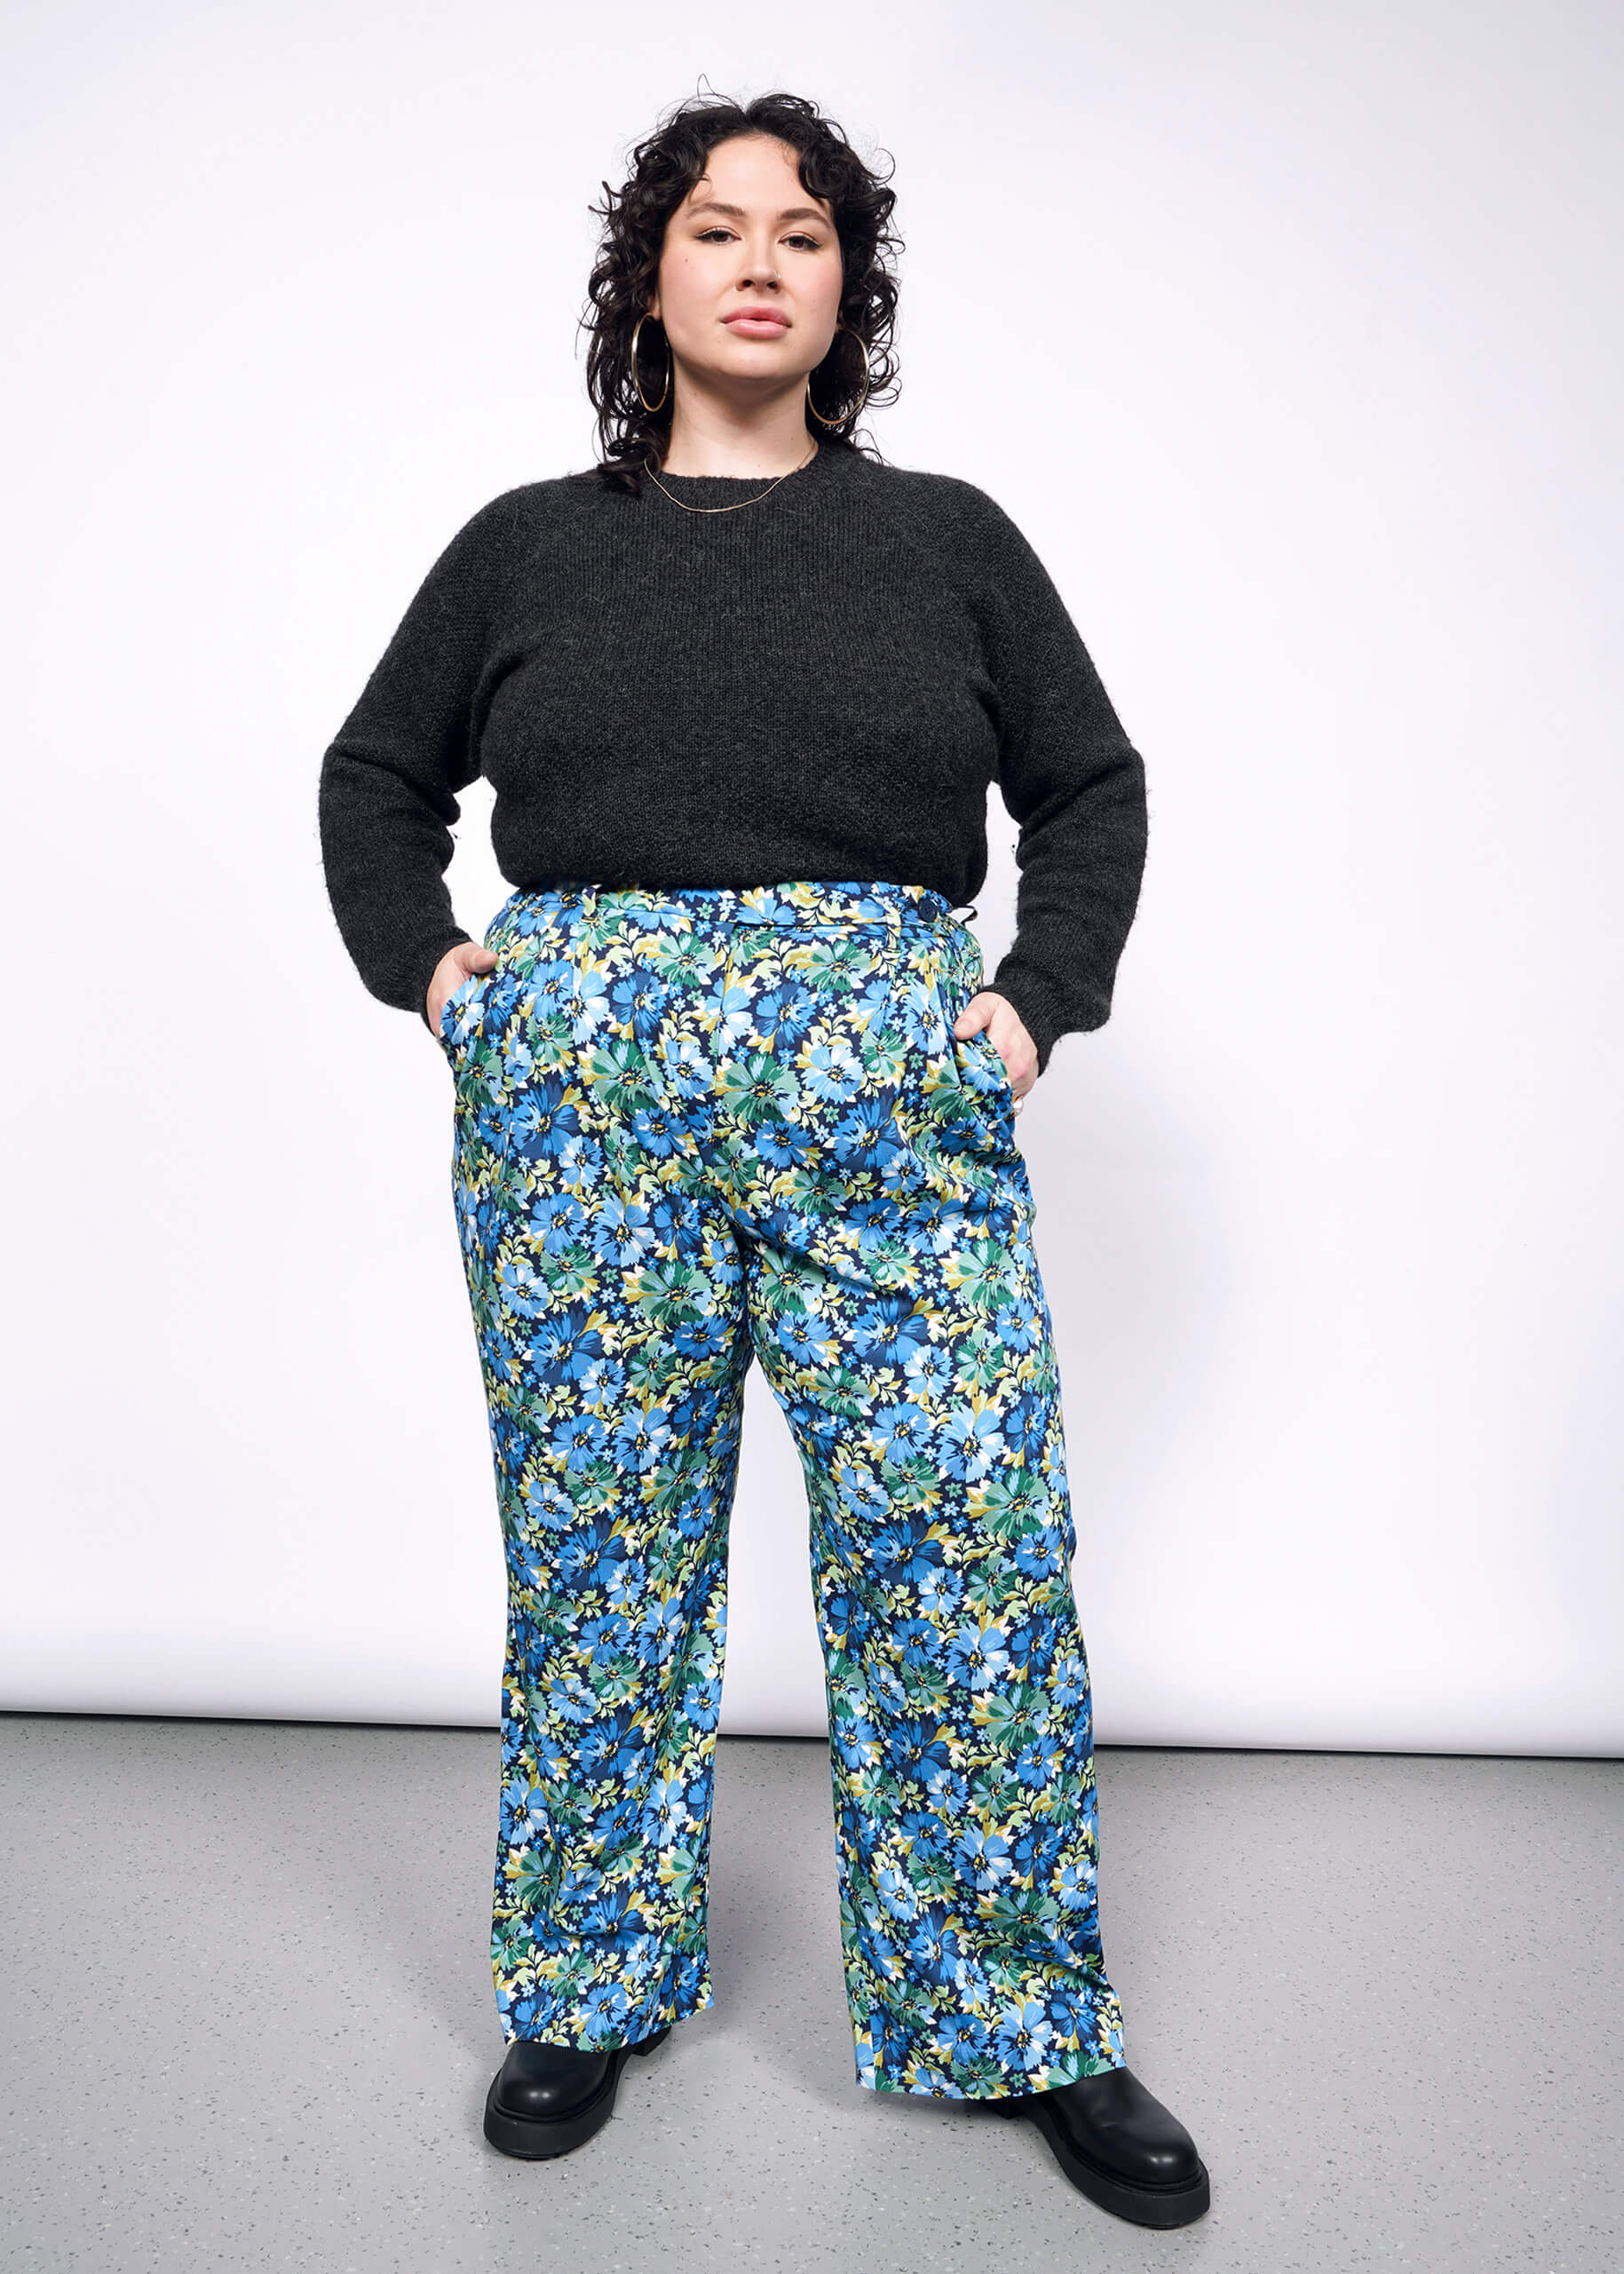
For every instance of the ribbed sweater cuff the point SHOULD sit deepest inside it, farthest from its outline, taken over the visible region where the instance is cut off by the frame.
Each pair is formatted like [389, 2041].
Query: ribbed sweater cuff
[1038, 1007]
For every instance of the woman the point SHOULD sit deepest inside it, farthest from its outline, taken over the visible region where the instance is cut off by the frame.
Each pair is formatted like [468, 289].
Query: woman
[727, 1084]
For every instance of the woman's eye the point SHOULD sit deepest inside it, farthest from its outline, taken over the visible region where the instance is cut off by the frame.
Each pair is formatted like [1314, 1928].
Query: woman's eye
[798, 237]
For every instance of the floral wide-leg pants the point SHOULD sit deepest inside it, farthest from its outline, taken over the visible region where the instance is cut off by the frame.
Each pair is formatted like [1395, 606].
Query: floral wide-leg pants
[702, 1124]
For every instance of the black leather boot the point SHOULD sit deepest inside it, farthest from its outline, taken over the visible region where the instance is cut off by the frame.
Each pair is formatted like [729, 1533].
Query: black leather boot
[546, 2099]
[1120, 2146]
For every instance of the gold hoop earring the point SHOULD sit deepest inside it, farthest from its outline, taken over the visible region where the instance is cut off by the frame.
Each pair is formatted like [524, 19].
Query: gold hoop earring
[636, 382]
[841, 417]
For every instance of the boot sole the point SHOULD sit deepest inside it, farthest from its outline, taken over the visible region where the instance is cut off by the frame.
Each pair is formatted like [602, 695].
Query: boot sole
[535, 2138]
[1148, 2203]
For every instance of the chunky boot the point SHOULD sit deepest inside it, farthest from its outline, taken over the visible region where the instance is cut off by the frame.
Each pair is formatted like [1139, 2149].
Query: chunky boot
[1120, 2146]
[546, 2099]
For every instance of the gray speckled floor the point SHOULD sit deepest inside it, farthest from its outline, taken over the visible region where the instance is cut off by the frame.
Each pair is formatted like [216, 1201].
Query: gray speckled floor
[248, 2022]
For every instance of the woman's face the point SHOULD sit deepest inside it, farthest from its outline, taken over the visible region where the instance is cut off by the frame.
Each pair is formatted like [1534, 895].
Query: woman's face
[749, 278]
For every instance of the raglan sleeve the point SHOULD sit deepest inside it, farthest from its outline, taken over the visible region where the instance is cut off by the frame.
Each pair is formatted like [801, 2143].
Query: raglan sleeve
[387, 795]
[1069, 775]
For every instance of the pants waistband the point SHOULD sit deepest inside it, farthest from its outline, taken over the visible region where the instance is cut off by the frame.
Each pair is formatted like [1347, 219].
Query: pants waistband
[806, 904]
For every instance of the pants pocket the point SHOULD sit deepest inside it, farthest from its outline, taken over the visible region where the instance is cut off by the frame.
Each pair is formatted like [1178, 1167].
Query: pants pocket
[460, 1014]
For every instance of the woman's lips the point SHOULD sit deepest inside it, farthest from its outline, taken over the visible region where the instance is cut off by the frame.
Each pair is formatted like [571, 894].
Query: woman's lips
[757, 327]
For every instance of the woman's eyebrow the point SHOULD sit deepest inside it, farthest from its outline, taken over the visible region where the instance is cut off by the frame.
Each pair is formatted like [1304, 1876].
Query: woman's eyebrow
[738, 213]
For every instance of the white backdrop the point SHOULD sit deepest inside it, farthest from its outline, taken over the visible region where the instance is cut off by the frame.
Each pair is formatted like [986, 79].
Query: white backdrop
[1291, 338]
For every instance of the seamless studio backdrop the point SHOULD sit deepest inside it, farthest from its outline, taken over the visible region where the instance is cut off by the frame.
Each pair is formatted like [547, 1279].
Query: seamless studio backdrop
[1290, 339]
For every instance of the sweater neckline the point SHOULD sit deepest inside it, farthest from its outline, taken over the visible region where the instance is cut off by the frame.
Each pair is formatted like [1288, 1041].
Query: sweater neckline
[729, 489]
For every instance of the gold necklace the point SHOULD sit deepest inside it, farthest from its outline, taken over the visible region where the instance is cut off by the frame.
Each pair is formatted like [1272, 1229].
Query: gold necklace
[771, 487]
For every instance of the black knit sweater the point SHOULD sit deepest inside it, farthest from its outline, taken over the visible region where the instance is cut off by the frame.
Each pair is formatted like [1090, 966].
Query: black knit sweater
[821, 686]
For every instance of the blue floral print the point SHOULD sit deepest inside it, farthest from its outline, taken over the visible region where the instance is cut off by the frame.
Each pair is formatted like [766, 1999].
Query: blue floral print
[694, 1126]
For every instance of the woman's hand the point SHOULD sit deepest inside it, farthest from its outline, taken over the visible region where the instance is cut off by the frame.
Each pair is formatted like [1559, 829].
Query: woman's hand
[1007, 1036]
[456, 965]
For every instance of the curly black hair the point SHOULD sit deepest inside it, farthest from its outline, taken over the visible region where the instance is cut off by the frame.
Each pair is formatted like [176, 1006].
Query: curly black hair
[664, 168]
